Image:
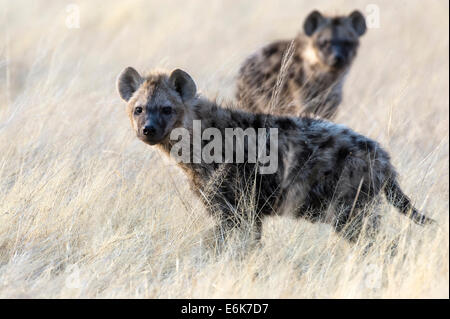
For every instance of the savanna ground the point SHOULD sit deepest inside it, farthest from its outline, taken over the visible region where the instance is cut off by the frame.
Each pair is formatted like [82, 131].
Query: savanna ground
[87, 210]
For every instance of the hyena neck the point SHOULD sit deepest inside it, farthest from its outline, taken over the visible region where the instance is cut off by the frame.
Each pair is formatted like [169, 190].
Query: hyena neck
[203, 110]
[326, 79]
[208, 112]
[193, 170]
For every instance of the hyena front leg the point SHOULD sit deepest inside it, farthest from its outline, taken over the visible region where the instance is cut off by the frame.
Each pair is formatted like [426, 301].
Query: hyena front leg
[223, 229]
[258, 229]
[251, 230]
[216, 238]
[227, 225]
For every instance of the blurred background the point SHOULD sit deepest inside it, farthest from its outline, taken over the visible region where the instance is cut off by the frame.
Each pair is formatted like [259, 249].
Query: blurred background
[86, 210]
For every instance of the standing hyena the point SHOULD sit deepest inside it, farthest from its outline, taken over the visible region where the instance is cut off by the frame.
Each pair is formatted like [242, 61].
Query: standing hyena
[315, 73]
[319, 165]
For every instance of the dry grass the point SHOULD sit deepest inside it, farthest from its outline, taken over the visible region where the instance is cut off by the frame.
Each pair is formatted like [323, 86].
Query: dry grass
[86, 210]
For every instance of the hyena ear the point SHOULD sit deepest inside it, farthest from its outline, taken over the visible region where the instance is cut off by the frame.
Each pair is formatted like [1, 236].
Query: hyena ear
[183, 84]
[312, 22]
[128, 82]
[358, 22]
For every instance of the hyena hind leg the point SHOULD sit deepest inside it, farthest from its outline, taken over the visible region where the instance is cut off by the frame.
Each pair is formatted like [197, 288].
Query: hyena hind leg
[352, 222]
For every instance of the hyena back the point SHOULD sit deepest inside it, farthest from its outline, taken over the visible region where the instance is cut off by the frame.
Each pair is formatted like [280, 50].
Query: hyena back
[312, 83]
[321, 165]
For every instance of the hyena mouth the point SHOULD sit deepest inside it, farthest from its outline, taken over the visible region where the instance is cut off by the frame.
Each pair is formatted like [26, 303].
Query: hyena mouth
[152, 139]
[339, 63]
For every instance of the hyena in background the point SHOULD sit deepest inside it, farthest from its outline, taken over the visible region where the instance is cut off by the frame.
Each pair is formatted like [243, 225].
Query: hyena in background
[321, 165]
[315, 74]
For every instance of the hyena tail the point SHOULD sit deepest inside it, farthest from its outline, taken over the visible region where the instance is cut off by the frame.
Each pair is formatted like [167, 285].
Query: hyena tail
[398, 199]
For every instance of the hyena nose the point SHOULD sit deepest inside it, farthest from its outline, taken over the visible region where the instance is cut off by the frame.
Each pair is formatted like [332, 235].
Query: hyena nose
[149, 130]
[339, 60]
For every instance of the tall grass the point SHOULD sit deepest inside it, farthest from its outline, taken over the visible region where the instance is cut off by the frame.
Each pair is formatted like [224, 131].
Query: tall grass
[87, 210]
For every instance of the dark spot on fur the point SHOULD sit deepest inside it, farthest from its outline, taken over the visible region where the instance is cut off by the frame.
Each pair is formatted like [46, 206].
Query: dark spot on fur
[299, 79]
[366, 145]
[304, 156]
[198, 113]
[258, 121]
[286, 123]
[362, 145]
[245, 123]
[308, 121]
[270, 50]
[328, 143]
[314, 136]
[346, 132]
[342, 154]
[235, 118]
[258, 78]
[276, 67]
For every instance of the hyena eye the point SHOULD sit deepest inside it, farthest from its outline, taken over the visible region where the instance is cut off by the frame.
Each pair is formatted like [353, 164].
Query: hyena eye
[138, 110]
[324, 43]
[167, 110]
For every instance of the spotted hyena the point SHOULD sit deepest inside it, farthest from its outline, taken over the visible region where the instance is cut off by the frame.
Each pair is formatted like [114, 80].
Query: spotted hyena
[325, 172]
[312, 83]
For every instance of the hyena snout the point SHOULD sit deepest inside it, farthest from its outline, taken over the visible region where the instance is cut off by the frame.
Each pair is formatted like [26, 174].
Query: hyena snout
[339, 55]
[151, 133]
[149, 130]
[338, 59]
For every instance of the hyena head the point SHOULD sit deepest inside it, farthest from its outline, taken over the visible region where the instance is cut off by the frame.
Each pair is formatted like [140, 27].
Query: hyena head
[156, 104]
[334, 40]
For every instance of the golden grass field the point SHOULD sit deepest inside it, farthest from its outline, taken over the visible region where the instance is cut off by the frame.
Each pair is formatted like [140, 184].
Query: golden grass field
[89, 211]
